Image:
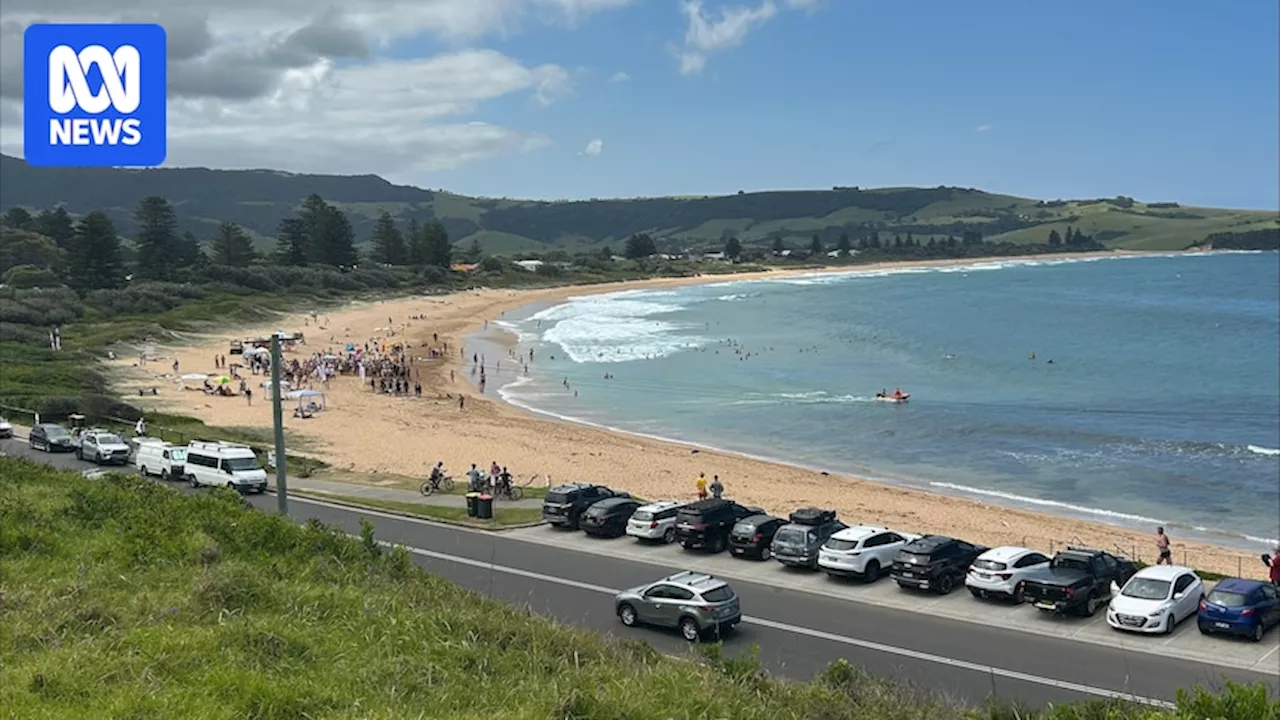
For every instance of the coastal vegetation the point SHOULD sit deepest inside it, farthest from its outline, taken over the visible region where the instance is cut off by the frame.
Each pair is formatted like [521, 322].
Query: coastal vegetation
[259, 200]
[120, 597]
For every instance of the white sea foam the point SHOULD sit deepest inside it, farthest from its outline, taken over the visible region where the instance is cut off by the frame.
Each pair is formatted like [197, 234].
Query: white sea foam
[523, 334]
[805, 398]
[1260, 450]
[616, 327]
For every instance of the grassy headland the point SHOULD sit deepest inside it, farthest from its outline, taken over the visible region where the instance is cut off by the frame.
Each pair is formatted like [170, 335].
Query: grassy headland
[122, 598]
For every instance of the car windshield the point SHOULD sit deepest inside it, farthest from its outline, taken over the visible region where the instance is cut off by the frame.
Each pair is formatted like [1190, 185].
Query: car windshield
[718, 595]
[690, 517]
[1227, 599]
[240, 464]
[744, 529]
[178, 455]
[989, 565]
[555, 497]
[913, 558]
[835, 544]
[601, 509]
[790, 536]
[1147, 589]
[57, 431]
[1068, 563]
[644, 515]
[109, 440]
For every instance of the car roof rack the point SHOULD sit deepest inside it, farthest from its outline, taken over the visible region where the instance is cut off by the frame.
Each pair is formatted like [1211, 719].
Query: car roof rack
[215, 445]
[691, 577]
[1082, 549]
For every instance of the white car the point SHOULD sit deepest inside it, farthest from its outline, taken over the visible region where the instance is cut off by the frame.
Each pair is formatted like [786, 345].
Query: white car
[655, 521]
[1155, 599]
[6, 430]
[862, 550]
[102, 447]
[999, 572]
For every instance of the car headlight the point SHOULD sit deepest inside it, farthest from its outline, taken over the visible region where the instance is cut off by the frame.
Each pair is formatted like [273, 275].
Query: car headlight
[1158, 611]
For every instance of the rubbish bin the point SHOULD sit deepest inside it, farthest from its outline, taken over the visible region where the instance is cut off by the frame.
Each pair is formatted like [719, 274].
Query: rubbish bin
[473, 504]
[484, 507]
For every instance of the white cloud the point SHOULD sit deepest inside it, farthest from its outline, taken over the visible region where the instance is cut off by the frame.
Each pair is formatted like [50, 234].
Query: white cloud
[276, 83]
[711, 31]
[984, 128]
[595, 147]
[619, 77]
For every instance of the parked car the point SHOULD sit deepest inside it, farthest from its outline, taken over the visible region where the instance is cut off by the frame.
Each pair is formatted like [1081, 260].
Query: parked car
[50, 437]
[608, 517]
[797, 543]
[655, 521]
[999, 572]
[1236, 606]
[1078, 580]
[752, 536]
[564, 504]
[221, 464]
[863, 551]
[162, 459]
[934, 562]
[6, 428]
[695, 603]
[1155, 599]
[706, 524]
[103, 448]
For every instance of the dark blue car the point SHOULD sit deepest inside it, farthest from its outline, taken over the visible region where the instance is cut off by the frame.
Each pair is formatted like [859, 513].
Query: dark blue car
[1240, 607]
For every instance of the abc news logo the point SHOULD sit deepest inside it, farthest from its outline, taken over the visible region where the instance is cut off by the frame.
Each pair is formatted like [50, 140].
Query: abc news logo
[94, 95]
[69, 90]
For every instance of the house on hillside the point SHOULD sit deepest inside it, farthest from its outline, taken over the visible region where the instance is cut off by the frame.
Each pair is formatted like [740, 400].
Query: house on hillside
[530, 265]
[462, 267]
[714, 257]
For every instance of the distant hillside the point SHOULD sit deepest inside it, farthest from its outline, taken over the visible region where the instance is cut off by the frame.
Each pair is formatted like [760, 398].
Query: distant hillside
[259, 199]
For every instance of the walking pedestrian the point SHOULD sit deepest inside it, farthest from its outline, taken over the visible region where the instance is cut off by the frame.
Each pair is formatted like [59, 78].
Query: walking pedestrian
[1162, 546]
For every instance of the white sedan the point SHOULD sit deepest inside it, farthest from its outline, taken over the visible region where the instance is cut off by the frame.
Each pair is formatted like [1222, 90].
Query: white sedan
[999, 572]
[1155, 599]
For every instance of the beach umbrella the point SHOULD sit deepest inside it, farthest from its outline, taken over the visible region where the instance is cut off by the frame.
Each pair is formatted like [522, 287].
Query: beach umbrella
[224, 380]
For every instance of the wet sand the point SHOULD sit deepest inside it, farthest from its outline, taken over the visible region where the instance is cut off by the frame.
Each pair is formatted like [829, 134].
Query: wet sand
[371, 433]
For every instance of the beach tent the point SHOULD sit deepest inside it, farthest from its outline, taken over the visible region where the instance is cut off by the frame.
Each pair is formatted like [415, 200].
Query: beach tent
[312, 400]
[192, 381]
[255, 351]
[285, 387]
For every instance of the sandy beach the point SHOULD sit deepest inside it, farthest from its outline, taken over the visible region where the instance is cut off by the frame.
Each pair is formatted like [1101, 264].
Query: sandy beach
[366, 432]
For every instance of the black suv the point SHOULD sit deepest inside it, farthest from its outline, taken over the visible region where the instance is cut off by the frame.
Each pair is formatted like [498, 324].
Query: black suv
[934, 562]
[564, 504]
[707, 523]
[608, 517]
[752, 536]
[50, 438]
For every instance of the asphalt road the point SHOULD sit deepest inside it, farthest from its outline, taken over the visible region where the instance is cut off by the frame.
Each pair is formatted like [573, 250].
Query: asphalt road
[798, 634]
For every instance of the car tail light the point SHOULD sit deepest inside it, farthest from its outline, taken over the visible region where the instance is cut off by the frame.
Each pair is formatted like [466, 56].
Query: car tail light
[700, 526]
[758, 537]
[653, 525]
[1247, 611]
[1071, 592]
[1004, 576]
[1204, 605]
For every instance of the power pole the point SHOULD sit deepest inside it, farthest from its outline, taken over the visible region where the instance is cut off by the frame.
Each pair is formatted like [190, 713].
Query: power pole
[277, 419]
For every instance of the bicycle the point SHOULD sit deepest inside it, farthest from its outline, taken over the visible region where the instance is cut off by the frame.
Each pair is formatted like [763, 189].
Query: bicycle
[444, 484]
[513, 491]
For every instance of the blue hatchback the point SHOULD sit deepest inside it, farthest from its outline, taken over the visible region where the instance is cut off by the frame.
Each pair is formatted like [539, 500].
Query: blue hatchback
[1240, 607]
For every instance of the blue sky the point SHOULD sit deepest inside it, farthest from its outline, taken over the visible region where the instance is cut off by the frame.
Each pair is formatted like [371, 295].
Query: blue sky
[1170, 100]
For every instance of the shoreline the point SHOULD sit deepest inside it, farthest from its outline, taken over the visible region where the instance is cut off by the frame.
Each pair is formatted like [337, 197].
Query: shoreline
[367, 432]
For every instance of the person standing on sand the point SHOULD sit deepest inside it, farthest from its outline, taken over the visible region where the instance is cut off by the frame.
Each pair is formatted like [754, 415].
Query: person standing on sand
[701, 484]
[248, 396]
[462, 402]
[717, 487]
[1162, 546]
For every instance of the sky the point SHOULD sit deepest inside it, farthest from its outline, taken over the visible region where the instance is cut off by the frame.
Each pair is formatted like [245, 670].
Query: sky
[1161, 100]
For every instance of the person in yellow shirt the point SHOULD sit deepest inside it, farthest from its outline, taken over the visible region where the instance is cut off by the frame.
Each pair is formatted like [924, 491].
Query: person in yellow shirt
[702, 486]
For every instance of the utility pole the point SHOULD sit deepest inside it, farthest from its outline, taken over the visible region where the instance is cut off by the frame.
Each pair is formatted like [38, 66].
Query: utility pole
[277, 419]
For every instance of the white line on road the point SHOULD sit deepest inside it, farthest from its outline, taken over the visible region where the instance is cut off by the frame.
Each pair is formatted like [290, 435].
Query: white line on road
[798, 630]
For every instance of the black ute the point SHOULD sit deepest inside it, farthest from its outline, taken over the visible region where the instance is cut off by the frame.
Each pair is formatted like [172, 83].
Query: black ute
[1078, 580]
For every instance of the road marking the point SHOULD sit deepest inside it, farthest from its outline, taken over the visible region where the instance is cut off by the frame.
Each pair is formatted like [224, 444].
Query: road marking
[1269, 654]
[798, 630]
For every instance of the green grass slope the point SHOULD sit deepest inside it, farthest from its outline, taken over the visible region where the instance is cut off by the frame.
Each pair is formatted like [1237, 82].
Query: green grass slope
[121, 598]
[259, 199]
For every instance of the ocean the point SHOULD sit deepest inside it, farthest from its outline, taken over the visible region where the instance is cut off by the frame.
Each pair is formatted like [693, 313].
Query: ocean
[1136, 390]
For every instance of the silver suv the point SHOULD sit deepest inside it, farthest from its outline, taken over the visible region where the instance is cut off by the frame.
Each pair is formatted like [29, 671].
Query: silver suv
[695, 603]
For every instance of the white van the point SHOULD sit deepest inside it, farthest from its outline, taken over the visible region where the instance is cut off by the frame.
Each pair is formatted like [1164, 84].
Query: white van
[155, 457]
[220, 464]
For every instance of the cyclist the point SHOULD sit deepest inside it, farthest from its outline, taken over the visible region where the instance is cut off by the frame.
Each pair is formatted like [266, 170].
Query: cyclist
[437, 473]
[504, 482]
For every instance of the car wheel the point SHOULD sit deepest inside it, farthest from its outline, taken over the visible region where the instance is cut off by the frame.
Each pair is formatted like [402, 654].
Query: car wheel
[143, 469]
[871, 572]
[1204, 630]
[689, 630]
[766, 553]
[1168, 625]
[79, 454]
[946, 585]
[192, 479]
[627, 615]
[1258, 632]
[721, 544]
[975, 592]
[1090, 606]
[1018, 596]
[669, 536]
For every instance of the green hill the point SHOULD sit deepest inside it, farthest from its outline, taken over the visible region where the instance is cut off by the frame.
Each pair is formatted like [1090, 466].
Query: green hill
[259, 199]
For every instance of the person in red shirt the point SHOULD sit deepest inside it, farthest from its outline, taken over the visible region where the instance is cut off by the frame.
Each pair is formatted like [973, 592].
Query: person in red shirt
[1275, 566]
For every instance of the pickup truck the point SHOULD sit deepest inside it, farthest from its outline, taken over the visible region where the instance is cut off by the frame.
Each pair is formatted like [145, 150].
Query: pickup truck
[1078, 581]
